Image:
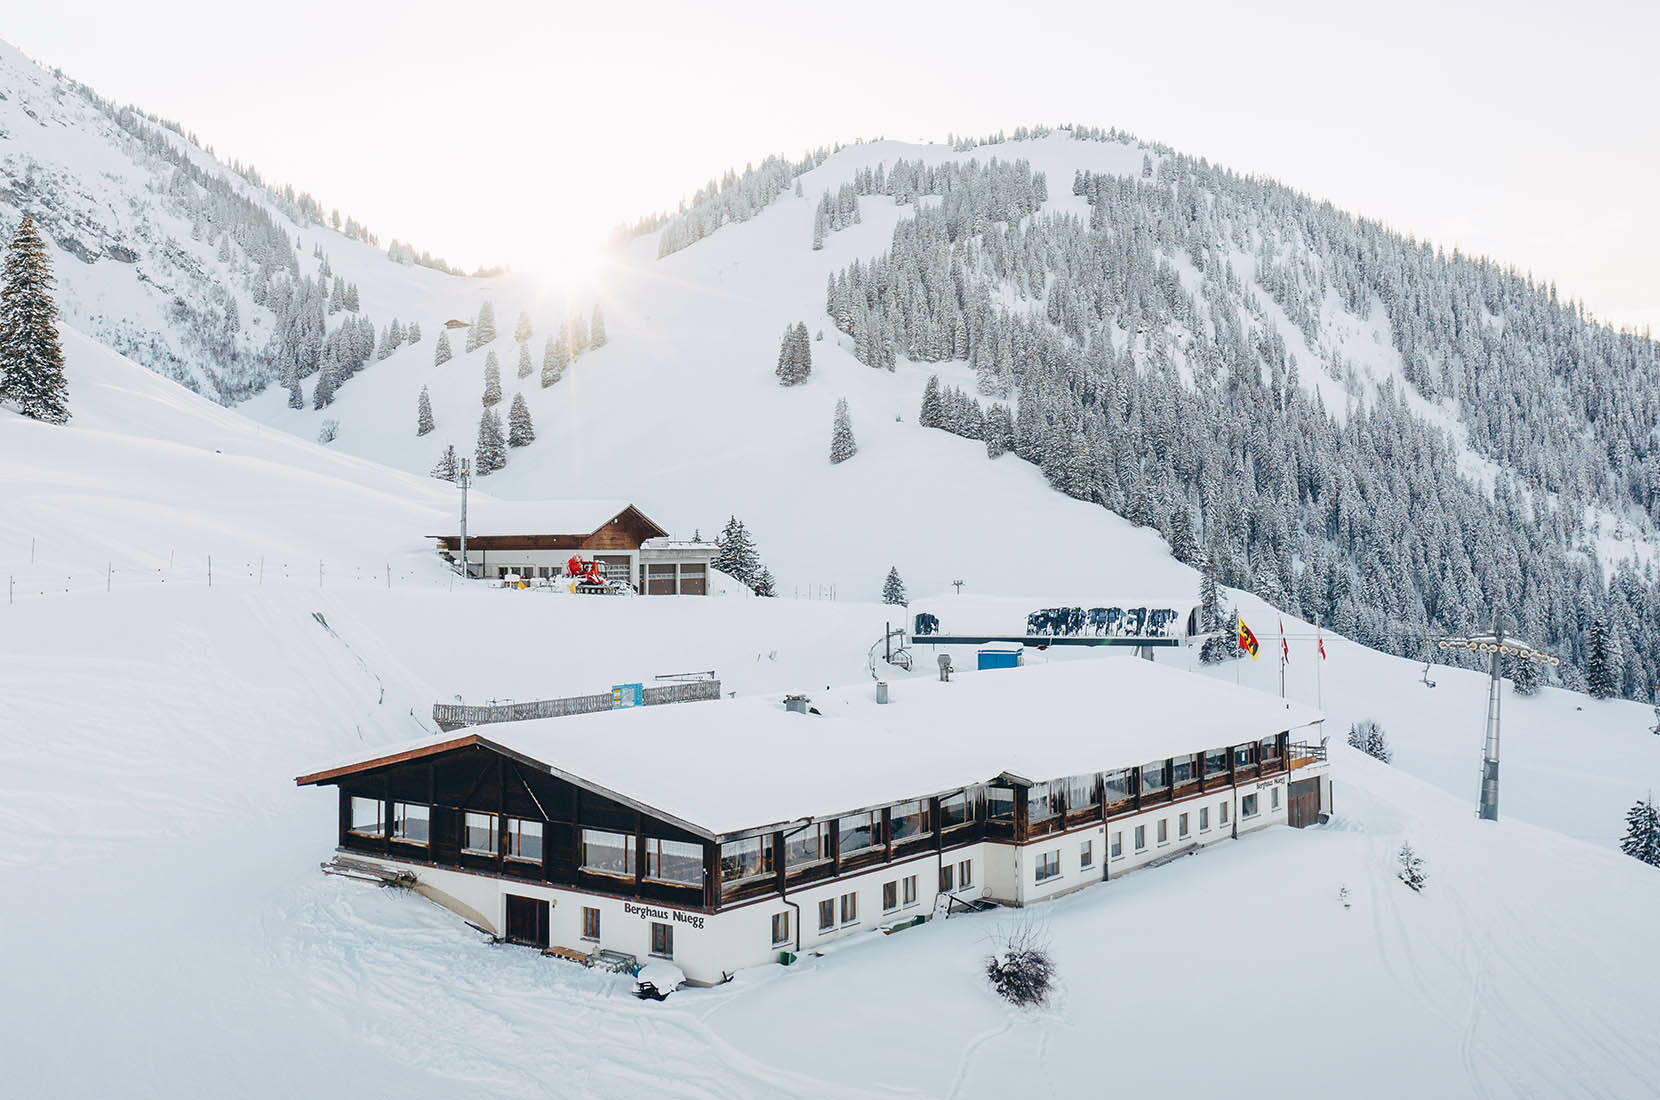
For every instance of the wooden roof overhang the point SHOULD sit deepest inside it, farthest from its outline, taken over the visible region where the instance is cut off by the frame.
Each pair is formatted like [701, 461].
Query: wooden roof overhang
[470, 740]
[631, 509]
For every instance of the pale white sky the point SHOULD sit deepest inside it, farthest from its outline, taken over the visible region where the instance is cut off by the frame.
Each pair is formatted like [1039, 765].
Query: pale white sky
[510, 131]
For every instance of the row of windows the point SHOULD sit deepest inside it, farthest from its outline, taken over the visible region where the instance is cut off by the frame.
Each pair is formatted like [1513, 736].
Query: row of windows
[843, 911]
[1047, 800]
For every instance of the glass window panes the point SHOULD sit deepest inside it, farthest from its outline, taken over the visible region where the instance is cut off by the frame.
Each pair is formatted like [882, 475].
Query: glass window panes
[1117, 844]
[590, 923]
[947, 878]
[850, 908]
[1000, 803]
[1086, 853]
[1216, 761]
[662, 940]
[1274, 799]
[1268, 748]
[524, 840]
[908, 889]
[411, 822]
[1164, 830]
[1080, 793]
[827, 914]
[808, 844]
[890, 895]
[607, 853]
[1153, 777]
[746, 858]
[1204, 818]
[1048, 865]
[675, 861]
[478, 833]
[907, 820]
[858, 832]
[780, 928]
[1181, 771]
[1242, 755]
[965, 874]
[1140, 837]
[1222, 814]
[1116, 786]
[1041, 802]
[1181, 826]
[954, 810]
[366, 818]
[1248, 806]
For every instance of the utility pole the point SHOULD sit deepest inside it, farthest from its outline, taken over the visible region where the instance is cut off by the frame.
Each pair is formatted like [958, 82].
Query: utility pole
[464, 479]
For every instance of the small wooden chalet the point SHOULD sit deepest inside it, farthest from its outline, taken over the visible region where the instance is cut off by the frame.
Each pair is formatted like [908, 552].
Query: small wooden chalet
[534, 539]
[720, 834]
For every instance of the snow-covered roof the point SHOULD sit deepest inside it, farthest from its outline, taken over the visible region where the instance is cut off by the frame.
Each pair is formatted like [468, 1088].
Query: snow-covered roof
[665, 543]
[487, 517]
[733, 765]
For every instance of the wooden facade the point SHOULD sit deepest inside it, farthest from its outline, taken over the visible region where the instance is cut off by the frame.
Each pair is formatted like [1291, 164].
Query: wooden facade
[627, 530]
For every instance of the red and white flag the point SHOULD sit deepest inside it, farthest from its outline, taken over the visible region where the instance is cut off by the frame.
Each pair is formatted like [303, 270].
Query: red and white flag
[1285, 646]
[1320, 641]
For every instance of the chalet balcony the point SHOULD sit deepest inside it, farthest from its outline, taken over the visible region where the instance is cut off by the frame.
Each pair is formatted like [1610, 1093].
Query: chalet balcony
[1304, 753]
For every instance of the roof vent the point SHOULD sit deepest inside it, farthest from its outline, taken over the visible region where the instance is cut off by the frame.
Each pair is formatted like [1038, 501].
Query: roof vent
[796, 704]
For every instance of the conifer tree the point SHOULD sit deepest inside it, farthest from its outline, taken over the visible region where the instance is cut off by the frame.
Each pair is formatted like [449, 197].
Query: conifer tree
[524, 361]
[893, 589]
[423, 414]
[322, 396]
[441, 353]
[555, 357]
[596, 330]
[1210, 598]
[1183, 545]
[999, 430]
[737, 557]
[1524, 675]
[579, 336]
[1412, 868]
[1602, 660]
[1642, 832]
[1367, 736]
[933, 409]
[447, 467]
[521, 329]
[842, 445]
[484, 329]
[764, 584]
[492, 379]
[795, 356]
[412, 335]
[519, 430]
[490, 455]
[31, 361]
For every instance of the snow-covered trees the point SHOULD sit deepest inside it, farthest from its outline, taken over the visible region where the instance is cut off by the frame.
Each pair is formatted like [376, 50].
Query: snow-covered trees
[1224, 644]
[1524, 676]
[490, 454]
[1412, 868]
[893, 589]
[596, 330]
[1183, 544]
[519, 430]
[795, 356]
[739, 559]
[441, 353]
[484, 327]
[521, 328]
[1602, 660]
[31, 362]
[423, 413]
[524, 367]
[835, 213]
[1367, 736]
[842, 444]
[448, 466]
[1642, 832]
[1210, 597]
[412, 335]
[492, 380]
[932, 412]
[764, 584]
[556, 355]
[1021, 970]
[579, 335]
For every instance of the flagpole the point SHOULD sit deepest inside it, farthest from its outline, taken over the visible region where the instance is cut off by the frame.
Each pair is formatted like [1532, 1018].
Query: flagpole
[1319, 697]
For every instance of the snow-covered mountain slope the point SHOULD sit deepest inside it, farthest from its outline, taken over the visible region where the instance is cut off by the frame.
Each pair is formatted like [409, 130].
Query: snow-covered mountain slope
[153, 239]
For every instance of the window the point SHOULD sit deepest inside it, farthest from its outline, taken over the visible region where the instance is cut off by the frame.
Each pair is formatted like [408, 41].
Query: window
[410, 821]
[1117, 849]
[1154, 777]
[1204, 819]
[1041, 802]
[948, 875]
[1115, 787]
[1080, 793]
[809, 844]
[1181, 827]
[826, 914]
[1248, 806]
[675, 861]
[955, 810]
[999, 803]
[1222, 814]
[747, 858]
[1268, 748]
[859, 832]
[366, 817]
[524, 840]
[1181, 770]
[907, 820]
[1141, 838]
[780, 928]
[1048, 865]
[1241, 755]
[1274, 799]
[1086, 854]
[890, 896]
[965, 874]
[590, 923]
[1216, 762]
[478, 833]
[1164, 830]
[607, 853]
[907, 889]
[850, 908]
[662, 940]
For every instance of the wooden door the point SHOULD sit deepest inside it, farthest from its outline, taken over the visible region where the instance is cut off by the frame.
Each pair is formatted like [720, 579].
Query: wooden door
[1303, 807]
[527, 921]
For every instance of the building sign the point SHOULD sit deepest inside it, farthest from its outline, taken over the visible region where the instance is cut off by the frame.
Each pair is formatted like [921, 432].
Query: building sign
[626, 695]
[1141, 621]
[652, 912]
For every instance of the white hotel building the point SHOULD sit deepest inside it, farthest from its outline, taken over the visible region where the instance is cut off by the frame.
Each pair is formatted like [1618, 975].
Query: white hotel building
[721, 834]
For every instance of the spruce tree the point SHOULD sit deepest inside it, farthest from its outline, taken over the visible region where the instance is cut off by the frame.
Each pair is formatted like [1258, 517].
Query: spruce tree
[1183, 545]
[519, 430]
[555, 357]
[412, 335]
[31, 362]
[492, 379]
[484, 329]
[579, 336]
[596, 330]
[933, 409]
[795, 356]
[1210, 597]
[521, 330]
[441, 353]
[524, 361]
[423, 414]
[1367, 736]
[764, 584]
[1412, 868]
[1602, 660]
[490, 455]
[999, 431]
[893, 589]
[1642, 832]
[447, 467]
[737, 557]
[842, 445]
[1524, 676]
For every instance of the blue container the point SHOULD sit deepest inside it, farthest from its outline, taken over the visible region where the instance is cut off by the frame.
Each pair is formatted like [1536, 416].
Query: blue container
[1005, 655]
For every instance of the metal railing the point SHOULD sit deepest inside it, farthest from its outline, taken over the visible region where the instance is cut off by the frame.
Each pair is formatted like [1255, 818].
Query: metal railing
[454, 716]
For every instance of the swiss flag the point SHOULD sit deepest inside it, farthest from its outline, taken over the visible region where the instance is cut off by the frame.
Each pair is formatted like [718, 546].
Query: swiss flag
[1320, 641]
[1285, 646]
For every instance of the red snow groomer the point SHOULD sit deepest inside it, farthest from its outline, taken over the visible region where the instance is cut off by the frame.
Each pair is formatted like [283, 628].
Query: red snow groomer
[587, 577]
